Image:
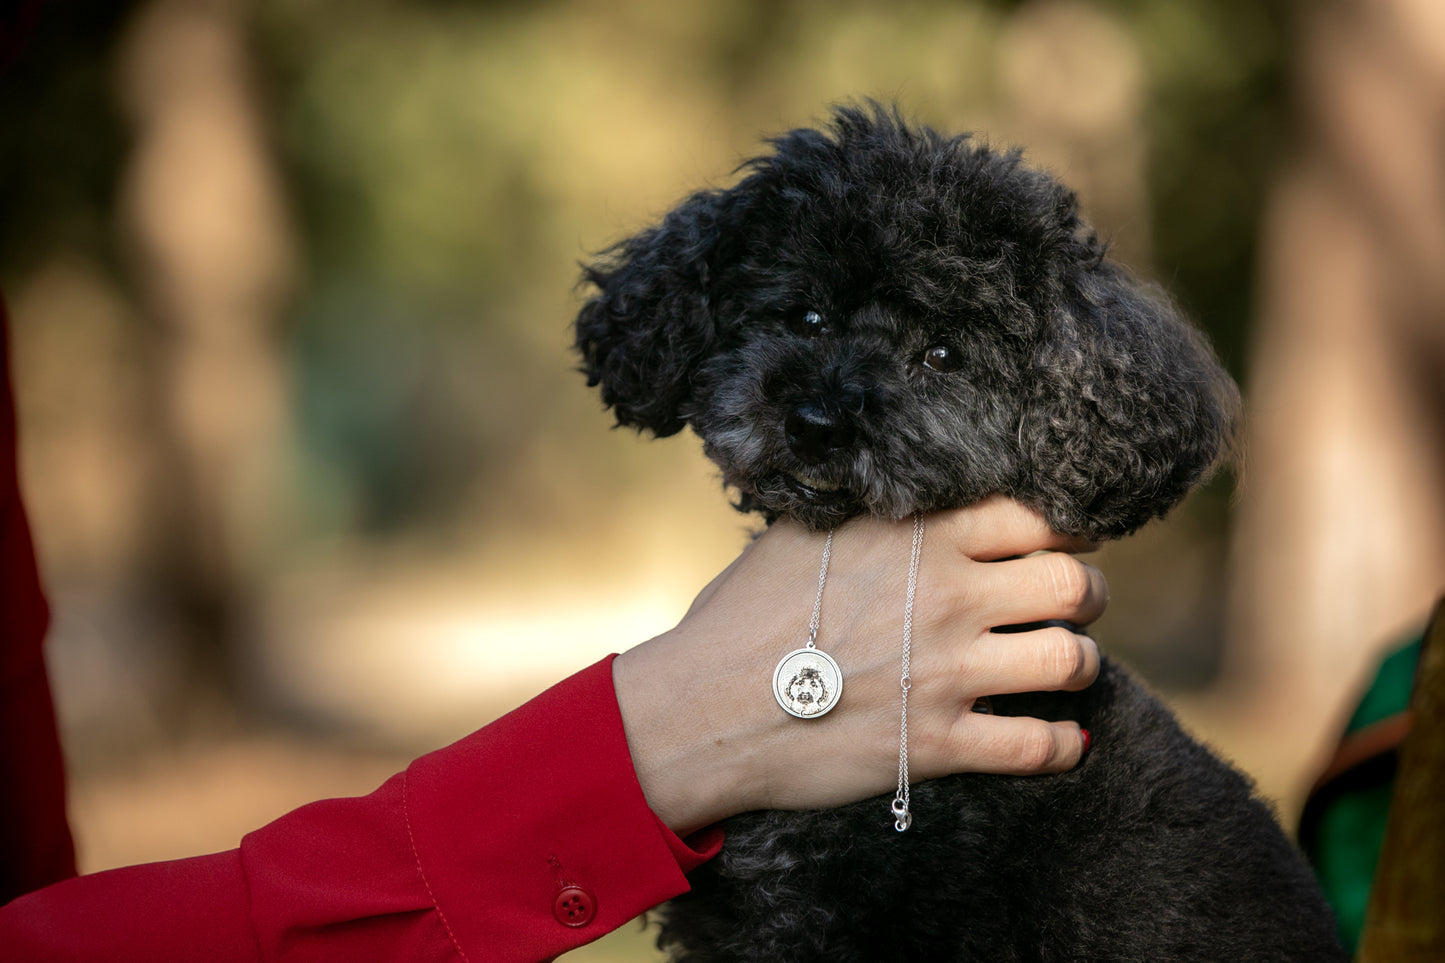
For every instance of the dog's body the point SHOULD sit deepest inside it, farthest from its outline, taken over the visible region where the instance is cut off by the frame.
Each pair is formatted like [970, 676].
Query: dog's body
[878, 319]
[1150, 850]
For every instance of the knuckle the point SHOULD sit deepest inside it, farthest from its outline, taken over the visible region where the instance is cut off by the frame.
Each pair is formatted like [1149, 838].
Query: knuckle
[1087, 654]
[1036, 747]
[1069, 580]
[1089, 661]
[950, 604]
[1028, 525]
[939, 602]
[966, 671]
[954, 524]
[1067, 660]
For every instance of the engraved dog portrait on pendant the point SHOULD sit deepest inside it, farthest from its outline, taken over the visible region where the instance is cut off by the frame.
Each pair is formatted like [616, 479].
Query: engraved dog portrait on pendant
[808, 692]
[807, 683]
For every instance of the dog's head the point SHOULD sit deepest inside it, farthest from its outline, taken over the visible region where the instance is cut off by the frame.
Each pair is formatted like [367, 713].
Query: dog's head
[880, 319]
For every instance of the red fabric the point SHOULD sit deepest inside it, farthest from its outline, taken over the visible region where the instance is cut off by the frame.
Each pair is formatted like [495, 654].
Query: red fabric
[461, 857]
[35, 846]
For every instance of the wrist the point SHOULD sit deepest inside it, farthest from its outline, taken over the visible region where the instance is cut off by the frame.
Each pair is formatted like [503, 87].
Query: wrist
[690, 754]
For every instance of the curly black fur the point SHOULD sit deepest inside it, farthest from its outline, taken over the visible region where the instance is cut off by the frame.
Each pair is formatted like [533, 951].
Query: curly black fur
[1150, 850]
[788, 319]
[880, 319]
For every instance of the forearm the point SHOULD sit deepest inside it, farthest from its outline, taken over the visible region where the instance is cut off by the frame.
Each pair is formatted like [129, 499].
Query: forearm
[463, 856]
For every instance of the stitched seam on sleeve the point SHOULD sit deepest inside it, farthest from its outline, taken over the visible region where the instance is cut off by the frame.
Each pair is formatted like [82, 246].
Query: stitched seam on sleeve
[411, 837]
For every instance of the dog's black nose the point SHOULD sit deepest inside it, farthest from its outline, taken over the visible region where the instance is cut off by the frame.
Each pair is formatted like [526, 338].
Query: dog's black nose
[813, 434]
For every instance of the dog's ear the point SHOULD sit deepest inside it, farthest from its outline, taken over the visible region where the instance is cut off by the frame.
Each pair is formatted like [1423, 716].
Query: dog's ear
[1128, 410]
[651, 320]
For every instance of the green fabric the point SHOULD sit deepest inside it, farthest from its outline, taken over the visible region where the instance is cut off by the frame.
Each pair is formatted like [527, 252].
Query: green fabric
[1389, 694]
[1350, 830]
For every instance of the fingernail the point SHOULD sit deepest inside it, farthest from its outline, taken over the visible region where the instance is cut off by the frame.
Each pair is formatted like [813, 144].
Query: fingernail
[1088, 739]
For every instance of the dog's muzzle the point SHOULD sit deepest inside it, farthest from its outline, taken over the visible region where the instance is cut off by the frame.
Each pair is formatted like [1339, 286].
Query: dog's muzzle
[814, 434]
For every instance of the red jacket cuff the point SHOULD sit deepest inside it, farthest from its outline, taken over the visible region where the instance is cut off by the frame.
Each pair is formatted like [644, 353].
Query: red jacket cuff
[533, 835]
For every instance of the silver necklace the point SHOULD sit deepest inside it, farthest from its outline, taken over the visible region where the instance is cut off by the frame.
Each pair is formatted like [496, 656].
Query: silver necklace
[807, 682]
[902, 816]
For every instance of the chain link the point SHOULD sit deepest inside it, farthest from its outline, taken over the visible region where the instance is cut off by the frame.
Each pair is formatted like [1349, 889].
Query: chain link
[902, 816]
[818, 602]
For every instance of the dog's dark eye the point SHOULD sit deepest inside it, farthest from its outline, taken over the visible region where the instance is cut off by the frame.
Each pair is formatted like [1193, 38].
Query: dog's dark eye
[810, 324]
[940, 357]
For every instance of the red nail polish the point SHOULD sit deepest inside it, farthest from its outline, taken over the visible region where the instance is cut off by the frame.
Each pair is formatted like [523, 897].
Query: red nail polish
[1088, 740]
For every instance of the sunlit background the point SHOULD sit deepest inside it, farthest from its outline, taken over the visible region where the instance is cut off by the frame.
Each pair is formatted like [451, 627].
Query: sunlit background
[316, 485]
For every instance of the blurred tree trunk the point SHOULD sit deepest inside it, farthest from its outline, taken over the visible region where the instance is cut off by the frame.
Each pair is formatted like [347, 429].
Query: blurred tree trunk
[202, 208]
[1340, 545]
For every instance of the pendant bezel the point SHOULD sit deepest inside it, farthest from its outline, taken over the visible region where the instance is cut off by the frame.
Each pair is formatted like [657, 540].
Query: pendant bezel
[787, 671]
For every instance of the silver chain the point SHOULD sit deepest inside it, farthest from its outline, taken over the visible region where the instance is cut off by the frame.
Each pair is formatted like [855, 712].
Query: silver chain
[808, 682]
[902, 817]
[818, 602]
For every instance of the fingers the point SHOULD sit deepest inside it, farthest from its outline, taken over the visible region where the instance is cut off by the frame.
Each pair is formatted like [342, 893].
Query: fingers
[1044, 660]
[1039, 588]
[1000, 527]
[1009, 745]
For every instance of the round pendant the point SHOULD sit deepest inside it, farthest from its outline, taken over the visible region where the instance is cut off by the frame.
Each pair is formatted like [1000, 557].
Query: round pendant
[807, 683]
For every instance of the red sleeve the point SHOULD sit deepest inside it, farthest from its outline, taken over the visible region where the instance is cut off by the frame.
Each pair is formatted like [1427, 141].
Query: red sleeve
[526, 839]
[35, 846]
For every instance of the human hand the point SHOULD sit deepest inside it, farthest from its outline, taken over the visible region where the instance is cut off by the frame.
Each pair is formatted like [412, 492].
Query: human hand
[708, 740]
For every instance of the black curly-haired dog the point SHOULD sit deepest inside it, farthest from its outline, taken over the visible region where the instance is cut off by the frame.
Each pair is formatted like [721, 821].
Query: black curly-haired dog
[880, 319]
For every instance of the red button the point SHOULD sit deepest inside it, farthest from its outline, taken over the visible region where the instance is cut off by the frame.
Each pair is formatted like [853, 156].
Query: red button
[574, 906]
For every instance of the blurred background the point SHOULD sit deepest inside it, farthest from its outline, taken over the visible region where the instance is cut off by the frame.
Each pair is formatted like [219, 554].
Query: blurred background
[316, 486]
